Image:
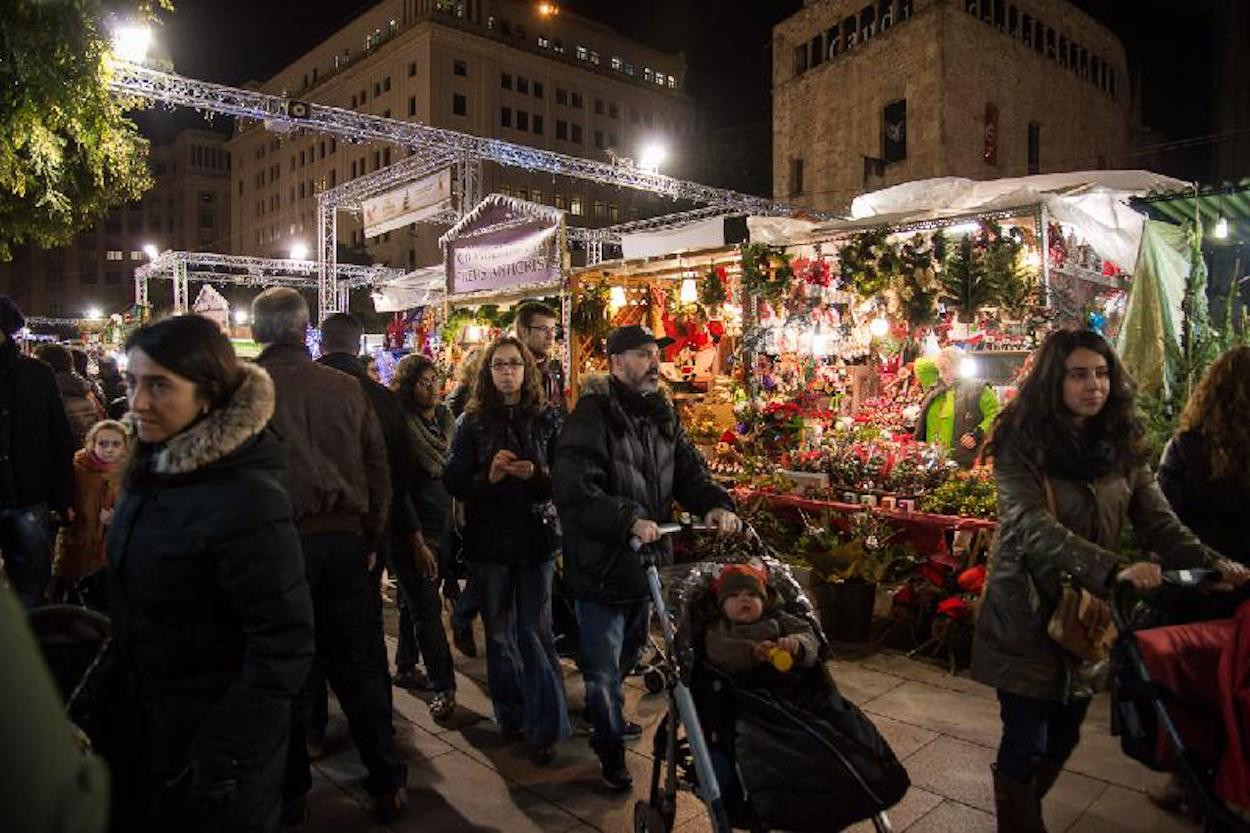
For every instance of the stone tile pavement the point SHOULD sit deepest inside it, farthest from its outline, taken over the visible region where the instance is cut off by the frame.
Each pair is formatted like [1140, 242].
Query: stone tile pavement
[463, 777]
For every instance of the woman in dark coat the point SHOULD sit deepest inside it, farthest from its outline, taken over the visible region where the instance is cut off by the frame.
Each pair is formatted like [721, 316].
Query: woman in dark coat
[1069, 469]
[210, 607]
[500, 467]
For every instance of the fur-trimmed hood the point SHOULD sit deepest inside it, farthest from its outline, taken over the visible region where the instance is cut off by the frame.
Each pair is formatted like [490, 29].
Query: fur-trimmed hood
[600, 384]
[223, 430]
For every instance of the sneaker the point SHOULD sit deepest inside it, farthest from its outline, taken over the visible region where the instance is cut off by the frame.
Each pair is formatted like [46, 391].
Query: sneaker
[412, 679]
[443, 706]
[391, 804]
[462, 638]
[633, 730]
[616, 775]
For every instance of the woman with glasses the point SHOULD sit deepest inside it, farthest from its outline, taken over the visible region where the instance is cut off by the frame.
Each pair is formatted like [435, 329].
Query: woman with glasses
[500, 467]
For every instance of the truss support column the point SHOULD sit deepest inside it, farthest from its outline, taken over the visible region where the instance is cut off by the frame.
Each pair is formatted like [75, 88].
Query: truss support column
[343, 302]
[469, 182]
[182, 302]
[141, 291]
[327, 260]
[594, 251]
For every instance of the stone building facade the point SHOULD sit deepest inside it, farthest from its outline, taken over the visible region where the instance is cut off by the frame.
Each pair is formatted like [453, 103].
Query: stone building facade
[496, 68]
[187, 209]
[872, 94]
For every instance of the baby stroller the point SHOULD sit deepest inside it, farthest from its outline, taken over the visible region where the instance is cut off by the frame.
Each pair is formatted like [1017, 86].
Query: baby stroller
[763, 746]
[75, 643]
[1150, 719]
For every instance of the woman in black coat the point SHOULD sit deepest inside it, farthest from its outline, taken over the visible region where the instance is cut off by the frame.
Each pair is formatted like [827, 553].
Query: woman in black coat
[211, 610]
[500, 466]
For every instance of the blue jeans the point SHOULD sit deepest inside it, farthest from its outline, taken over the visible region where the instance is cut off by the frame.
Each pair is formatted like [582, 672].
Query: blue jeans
[26, 544]
[1036, 730]
[466, 608]
[612, 638]
[522, 670]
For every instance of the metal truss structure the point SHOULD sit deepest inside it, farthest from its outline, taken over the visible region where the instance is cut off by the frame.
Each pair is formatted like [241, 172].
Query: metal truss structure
[242, 270]
[433, 149]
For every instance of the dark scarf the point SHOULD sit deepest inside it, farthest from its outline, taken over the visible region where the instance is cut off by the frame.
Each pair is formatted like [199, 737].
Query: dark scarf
[432, 443]
[1086, 457]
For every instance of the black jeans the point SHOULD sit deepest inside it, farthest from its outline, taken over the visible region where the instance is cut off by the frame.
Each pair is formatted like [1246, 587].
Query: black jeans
[348, 619]
[422, 626]
[1036, 730]
[26, 543]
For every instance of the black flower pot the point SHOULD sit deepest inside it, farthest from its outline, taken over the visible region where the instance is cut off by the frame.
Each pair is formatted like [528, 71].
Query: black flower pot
[852, 610]
[822, 595]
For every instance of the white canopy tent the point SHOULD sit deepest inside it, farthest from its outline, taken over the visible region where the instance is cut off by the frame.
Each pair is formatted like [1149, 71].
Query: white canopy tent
[421, 287]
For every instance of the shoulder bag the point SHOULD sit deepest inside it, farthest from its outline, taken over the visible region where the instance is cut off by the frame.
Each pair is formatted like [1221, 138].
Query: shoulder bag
[1081, 622]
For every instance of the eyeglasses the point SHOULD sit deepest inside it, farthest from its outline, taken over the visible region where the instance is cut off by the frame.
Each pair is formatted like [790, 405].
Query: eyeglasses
[510, 367]
[547, 331]
[428, 382]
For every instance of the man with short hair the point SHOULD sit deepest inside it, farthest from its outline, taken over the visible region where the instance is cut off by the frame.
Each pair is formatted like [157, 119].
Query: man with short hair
[621, 459]
[409, 556]
[340, 489]
[36, 461]
[536, 325]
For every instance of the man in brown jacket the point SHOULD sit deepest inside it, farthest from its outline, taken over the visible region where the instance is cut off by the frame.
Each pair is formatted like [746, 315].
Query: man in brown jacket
[339, 482]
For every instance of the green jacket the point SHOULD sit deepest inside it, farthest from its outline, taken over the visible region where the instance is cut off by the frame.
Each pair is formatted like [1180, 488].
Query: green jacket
[49, 785]
[1034, 549]
[976, 406]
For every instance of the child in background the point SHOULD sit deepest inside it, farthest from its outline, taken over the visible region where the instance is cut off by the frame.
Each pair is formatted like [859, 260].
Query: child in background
[751, 632]
[81, 547]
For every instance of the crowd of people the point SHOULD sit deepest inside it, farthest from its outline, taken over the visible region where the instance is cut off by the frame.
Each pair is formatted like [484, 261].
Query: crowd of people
[233, 520]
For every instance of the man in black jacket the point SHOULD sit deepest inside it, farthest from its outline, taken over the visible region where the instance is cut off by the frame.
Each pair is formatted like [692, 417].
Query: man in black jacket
[36, 461]
[621, 459]
[410, 559]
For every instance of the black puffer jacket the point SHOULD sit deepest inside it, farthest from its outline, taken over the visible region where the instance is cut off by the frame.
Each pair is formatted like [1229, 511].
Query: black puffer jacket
[36, 443]
[211, 610]
[504, 520]
[1216, 510]
[622, 457]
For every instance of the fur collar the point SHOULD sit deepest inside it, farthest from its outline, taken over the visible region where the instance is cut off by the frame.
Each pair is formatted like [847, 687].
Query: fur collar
[223, 430]
[600, 384]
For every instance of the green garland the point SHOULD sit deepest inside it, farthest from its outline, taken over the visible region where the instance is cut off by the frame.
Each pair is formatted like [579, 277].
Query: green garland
[868, 263]
[712, 289]
[766, 271]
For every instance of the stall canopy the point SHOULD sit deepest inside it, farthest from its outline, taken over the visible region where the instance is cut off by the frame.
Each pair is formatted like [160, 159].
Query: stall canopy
[1149, 338]
[419, 288]
[1095, 203]
[712, 233]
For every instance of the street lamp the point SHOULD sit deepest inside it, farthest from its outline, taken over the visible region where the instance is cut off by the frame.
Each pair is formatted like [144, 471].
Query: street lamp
[131, 41]
[652, 156]
[151, 251]
[240, 317]
[548, 9]
[93, 313]
[299, 251]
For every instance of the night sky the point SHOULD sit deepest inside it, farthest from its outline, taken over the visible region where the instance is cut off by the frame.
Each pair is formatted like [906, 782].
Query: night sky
[726, 46]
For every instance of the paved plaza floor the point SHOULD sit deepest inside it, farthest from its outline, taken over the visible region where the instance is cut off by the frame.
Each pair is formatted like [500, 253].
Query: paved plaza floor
[944, 728]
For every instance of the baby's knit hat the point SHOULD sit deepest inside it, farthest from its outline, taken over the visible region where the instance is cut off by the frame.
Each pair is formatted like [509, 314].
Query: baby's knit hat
[735, 577]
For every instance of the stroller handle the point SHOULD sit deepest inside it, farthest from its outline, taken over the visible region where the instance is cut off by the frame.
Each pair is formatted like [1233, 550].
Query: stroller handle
[687, 523]
[1188, 579]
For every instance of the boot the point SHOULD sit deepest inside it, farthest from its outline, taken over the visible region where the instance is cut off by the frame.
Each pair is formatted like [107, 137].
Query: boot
[1017, 805]
[1047, 774]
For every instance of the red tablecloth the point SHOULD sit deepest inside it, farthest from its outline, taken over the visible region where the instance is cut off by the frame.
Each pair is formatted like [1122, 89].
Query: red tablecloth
[924, 530]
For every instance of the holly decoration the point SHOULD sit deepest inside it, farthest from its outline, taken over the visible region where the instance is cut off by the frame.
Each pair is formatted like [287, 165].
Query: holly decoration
[766, 271]
[714, 287]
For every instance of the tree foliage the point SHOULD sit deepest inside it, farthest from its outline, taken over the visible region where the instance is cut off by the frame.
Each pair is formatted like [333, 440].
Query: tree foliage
[67, 152]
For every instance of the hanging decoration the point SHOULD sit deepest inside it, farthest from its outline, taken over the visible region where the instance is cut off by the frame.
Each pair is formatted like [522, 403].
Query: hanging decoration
[868, 262]
[590, 315]
[714, 287]
[766, 271]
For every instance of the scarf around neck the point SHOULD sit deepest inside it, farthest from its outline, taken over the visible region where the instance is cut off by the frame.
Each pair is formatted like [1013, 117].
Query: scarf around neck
[432, 443]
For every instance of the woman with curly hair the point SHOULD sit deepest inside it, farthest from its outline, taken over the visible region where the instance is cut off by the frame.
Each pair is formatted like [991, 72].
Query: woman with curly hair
[500, 467]
[1069, 467]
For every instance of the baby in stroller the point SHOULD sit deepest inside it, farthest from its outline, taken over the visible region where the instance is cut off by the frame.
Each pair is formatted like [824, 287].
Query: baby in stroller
[788, 751]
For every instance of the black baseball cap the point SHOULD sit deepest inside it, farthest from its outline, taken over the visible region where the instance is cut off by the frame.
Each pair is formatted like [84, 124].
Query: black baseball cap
[633, 337]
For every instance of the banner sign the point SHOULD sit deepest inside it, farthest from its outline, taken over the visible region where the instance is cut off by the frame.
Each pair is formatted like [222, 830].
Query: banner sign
[503, 249]
[415, 201]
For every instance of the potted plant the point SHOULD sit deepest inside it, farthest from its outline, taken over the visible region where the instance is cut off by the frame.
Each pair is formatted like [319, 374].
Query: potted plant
[845, 571]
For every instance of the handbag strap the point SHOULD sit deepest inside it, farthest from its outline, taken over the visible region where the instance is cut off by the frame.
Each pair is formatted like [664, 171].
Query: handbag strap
[1050, 496]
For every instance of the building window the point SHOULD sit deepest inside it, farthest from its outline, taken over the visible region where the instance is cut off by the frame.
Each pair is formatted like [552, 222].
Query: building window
[386, 84]
[134, 255]
[629, 69]
[543, 43]
[562, 130]
[576, 134]
[113, 254]
[1050, 44]
[599, 139]
[894, 131]
[660, 78]
[538, 124]
[522, 86]
[505, 116]
[505, 80]
[575, 205]
[538, 89]
[559, 201]
[672, 82]
[1026, 30]
[613, 111]
[562, 96]
[601, 211]
[377, 88]
[412, 69]
[459, 68]
[612, 140]
[594, 57]
[459, 105]
[576, 100]
[583, 54]
[633, 116]
[522, 120]
[616, 63]
[1035, 148]
[614, 213]
[796, 177]
[648, 75]
[557, 46]
[867, 23]
[536, 195]
[412, 105]
[598, 106]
